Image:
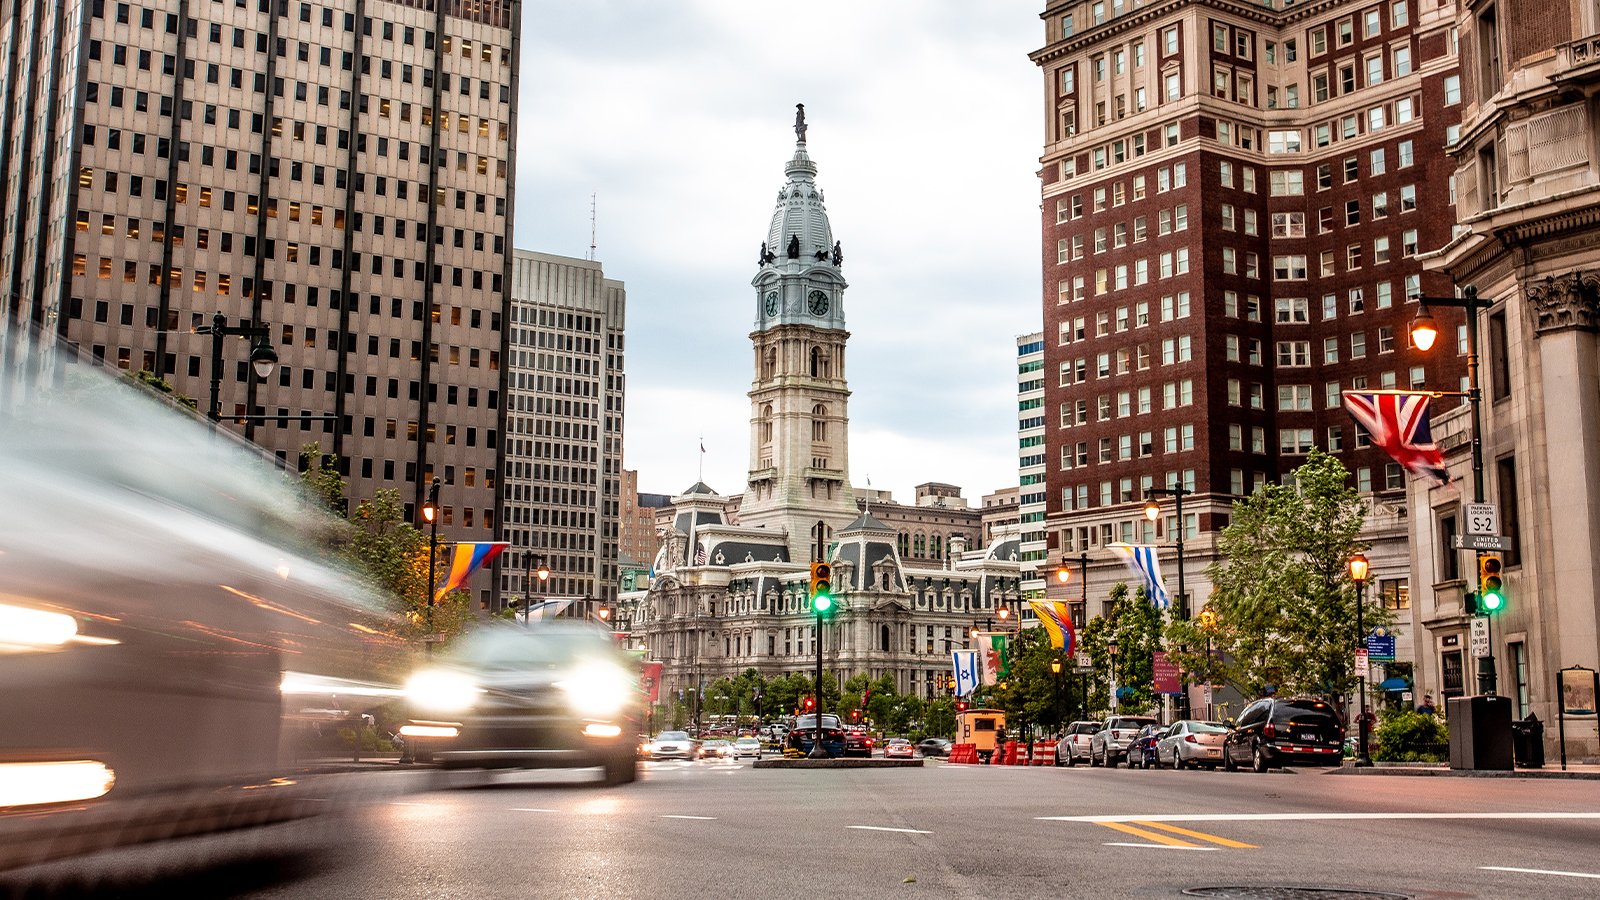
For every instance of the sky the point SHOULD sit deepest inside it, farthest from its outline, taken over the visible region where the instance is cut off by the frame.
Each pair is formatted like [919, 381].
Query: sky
[926, 126]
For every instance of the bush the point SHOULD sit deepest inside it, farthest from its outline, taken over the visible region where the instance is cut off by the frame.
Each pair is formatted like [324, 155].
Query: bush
[1408, 736]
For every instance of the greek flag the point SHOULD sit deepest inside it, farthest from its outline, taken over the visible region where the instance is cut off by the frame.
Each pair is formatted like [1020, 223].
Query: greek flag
[1141, 558]
[965, 663]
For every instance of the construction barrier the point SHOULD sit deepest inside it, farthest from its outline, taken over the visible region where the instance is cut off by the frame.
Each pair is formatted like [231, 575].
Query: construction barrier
[1009, 755]
[1044, 753]
[963, 753]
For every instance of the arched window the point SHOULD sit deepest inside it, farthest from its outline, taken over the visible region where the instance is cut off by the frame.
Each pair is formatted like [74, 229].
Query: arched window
[903, 543]
[769, 363]
[816, 362]
[819, 423]
[918, 544]
[936, 546]
[883, 637]
[766, 423]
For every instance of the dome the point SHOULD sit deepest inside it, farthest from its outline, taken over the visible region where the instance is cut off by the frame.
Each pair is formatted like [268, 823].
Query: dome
[800, 213]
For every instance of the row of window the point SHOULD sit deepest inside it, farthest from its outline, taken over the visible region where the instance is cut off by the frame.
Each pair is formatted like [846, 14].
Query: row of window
[1175, 439]
[1174, 394]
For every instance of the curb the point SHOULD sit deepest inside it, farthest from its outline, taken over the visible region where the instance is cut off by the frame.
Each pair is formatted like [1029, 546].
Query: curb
[837, 764]
[1434, 771]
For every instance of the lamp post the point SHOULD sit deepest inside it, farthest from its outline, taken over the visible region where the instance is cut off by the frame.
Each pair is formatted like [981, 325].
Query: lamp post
[1423, 333]
[1111, 651]
[528, 571]
[262, 356]
[1055, 670]
[1358, 574]
[1079, 615]
[1208, 623]
[1152, 511]
[430, 513]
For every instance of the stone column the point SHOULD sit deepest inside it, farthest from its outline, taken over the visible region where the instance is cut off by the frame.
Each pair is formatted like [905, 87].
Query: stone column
[1566, 318]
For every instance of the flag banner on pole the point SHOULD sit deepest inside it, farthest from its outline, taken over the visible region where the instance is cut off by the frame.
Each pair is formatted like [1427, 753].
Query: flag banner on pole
[1141, 559]
[1398, 423]
[996, 656]
[538, 612]
[699, 554]
[650, 682]
[468, 557]
[965, 665]
[1057, 622]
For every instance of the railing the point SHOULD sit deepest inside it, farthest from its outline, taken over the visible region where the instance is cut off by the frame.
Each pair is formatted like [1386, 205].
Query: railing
[1577, 54]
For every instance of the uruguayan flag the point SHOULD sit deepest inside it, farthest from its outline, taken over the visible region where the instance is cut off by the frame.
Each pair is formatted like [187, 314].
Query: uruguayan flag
[1141, 558]
[965, 663]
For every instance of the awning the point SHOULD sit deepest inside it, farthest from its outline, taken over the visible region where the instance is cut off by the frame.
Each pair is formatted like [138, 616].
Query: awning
[1397, 683]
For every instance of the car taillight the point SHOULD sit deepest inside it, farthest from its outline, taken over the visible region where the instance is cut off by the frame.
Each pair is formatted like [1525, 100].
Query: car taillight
[1189, 738]
[1269, 731]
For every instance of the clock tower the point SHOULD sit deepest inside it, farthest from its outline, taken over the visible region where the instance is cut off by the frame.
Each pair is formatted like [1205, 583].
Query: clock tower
[799, 478]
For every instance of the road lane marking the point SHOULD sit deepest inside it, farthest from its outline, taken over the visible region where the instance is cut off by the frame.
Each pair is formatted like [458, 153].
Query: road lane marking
[530, 809]
[1316, 817]
[1540, 871]
[1237, 845]
[1147, 835]
[882, 828]
[1156, 846]
[696, 818]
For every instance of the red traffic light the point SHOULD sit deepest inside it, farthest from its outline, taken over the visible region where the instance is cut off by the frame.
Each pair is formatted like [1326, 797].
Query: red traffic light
[811, 704]
[961, 706]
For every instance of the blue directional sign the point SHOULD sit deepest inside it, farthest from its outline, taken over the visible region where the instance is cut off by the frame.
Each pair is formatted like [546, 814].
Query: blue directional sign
[1380, 645]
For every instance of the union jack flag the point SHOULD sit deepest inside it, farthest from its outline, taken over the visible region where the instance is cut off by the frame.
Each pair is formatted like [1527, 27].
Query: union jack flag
[1398, 423]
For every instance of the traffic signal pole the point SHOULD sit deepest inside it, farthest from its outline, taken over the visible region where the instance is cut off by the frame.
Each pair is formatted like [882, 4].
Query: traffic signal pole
[821, 604]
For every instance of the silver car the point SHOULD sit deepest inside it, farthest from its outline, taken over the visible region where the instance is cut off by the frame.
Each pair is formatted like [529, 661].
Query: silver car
[673, 745]
[1110, 744]
[1190, 744]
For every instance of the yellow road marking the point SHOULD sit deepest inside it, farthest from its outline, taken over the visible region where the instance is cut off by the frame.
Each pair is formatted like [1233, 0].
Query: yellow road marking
[1147, 835]
[1201, 835]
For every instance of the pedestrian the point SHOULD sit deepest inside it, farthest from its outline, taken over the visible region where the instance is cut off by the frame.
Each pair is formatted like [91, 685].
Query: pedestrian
[1426, 706]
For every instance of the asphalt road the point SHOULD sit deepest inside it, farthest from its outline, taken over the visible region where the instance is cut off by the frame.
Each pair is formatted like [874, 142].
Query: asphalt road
[724, 829]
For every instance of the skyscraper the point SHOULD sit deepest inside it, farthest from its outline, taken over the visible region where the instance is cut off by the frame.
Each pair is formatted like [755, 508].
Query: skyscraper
[1235, 199]
[337, 174]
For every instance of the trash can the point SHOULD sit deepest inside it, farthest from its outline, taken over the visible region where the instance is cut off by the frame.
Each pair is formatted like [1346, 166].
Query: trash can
[1527, 742]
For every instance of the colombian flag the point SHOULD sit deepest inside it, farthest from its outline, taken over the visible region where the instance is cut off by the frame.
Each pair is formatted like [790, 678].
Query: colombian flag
[1057, 620]
[468, 557]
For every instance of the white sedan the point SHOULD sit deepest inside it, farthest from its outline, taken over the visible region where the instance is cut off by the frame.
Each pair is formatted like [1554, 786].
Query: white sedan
[746, 746]
[1191, 743]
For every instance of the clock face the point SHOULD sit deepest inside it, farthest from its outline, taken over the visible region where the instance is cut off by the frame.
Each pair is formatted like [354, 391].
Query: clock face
[772, 303]
[819, 303]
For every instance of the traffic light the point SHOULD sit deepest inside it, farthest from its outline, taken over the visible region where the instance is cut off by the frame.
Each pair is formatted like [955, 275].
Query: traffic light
[811, 704]
[855, 715]
[961, 706]
[822, 589]
[1491, 588]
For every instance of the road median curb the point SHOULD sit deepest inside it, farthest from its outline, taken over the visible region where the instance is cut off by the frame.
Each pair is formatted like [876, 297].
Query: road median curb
[1467, 773]
[837, 763]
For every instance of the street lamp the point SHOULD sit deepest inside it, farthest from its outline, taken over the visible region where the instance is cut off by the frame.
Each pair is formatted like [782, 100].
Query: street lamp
[1358, 574]
[528, 572]
[262, 356]
[1208, 624]
[1152, 511]
[430, 514]
[1055, 670]
[1423, 334]
[1064, 575]
[1111, 651]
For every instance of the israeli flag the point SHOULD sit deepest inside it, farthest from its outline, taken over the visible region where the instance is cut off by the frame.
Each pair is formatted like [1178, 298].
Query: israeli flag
[965, 664]
[1141, 558]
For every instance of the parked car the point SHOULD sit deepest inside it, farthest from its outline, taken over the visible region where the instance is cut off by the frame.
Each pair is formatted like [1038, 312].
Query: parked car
[1278, 731]
[1191, 743]
[672, 745]
[746, 746]
[1110, 743]
[898, 748]
[1141, 751]
[719, 749]
[803, 735]
[506, 696]
[857, 742]
[1074, 746]
[933, 747]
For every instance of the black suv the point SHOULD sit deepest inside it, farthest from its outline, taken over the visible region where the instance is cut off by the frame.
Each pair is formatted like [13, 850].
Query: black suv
[1280, 731]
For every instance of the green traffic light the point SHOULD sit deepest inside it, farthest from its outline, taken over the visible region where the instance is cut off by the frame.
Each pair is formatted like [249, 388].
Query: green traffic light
[823, 603]
[1492, 601]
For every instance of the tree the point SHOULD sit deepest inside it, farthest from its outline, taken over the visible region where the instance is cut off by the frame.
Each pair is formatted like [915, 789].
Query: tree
[1134, 623]
[379, 546]
[940, 718]
[1282, 600]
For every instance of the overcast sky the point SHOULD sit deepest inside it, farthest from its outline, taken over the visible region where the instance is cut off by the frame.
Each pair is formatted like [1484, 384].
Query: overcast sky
[925, 124]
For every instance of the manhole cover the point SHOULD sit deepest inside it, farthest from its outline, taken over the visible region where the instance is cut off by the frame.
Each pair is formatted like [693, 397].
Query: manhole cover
[1292, 892]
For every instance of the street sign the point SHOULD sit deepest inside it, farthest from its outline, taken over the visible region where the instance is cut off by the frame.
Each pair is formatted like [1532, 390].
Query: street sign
[1482, 518]
[1363, 664]
[1478, 638]
[1081, 660]
[1380, 645]
[1165, 675]
[1480, 542]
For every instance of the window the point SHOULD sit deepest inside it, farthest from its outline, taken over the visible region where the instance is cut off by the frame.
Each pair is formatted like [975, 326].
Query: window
[1449, 557]
[1294, 354]
[1295, 441]
[1292, 311]
[1399, 16]
[1401, 59]
[1330, 350]
[1506, 480]
[1373, 24]
[1499, 358]
[1288, 224]
[1283, 141]
[1452, 90]
[1319, 41]
[1169, 41]
[1374, 69]
[1287, 182]
[1289, 267]
[1294, 397]
[1346, 32]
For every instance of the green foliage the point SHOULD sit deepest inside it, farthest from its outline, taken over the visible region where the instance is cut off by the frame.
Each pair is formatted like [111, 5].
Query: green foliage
[940, 718]
[1134, 623]
[156, 383]
[1409, 736]
[1282, 597]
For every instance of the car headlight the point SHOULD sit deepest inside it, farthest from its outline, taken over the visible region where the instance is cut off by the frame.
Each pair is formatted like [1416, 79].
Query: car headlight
[436, 690]
[597, 689]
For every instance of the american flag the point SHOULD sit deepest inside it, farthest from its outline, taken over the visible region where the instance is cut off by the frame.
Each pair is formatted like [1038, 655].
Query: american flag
[1398, 423]
[700, 554]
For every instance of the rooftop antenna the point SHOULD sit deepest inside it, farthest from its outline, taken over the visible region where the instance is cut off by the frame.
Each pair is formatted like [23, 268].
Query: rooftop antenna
[591, 225]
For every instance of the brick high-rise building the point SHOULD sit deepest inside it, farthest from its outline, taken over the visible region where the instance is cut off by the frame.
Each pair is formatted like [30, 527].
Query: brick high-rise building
[1234, 199]
[339, 172]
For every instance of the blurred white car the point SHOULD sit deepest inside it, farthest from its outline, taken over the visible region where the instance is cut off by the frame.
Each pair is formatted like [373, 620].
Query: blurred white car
[746, 747]
[899, 748]
[718, 748]
[672, 745]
